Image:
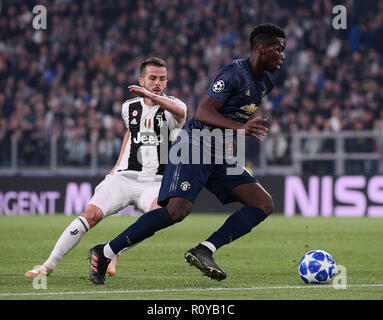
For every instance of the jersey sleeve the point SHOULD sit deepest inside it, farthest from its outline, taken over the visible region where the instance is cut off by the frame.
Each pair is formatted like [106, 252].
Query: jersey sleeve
[224, 84]
[174, 126]
[172, 122]
[125, 114]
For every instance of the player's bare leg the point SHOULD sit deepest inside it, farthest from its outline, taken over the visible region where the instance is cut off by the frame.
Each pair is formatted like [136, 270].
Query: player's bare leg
[68, 240]
[254, 195]
[93, 215]
[112, 266]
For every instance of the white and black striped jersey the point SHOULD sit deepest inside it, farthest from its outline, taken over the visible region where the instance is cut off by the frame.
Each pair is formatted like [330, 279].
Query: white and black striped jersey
[142, 151]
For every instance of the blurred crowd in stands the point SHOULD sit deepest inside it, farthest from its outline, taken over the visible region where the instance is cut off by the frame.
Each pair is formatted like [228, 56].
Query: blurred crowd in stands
[70, 80]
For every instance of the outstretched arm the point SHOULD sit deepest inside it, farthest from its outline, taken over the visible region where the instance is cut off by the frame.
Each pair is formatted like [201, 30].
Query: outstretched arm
[165, 102]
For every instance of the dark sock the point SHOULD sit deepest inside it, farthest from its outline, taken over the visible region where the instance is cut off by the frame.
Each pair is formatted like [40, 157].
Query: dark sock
[237, 225]
[144, 227]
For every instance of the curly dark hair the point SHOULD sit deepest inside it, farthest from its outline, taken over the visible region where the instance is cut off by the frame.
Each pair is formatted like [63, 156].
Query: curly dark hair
[266, 33]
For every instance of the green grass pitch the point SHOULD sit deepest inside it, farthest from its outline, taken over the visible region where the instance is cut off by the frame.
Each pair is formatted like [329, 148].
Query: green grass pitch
[261, 265]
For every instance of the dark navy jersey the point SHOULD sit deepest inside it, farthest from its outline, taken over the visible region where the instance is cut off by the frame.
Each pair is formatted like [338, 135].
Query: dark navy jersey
[239, 91]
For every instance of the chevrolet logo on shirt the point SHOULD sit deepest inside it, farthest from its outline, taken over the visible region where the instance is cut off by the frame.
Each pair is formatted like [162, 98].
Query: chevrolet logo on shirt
[249, 108]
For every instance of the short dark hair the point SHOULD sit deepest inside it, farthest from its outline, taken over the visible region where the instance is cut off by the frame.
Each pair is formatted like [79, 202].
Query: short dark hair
[266, 33]
[154, 61]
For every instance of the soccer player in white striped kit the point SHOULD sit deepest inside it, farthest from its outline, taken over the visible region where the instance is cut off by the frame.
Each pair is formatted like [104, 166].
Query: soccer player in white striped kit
[136, 177]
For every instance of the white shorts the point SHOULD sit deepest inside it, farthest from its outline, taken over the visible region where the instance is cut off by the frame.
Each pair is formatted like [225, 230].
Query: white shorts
[117, 191]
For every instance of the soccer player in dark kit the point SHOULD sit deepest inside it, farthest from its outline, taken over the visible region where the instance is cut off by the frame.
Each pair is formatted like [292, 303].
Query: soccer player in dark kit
[229, 103]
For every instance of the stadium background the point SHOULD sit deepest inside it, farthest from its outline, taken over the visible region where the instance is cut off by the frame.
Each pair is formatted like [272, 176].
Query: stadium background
[61, 91]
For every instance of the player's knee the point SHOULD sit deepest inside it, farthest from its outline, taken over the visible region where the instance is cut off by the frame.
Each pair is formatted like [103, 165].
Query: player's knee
[177, 215]
[178, 210]
[268, 206]
[93, 215]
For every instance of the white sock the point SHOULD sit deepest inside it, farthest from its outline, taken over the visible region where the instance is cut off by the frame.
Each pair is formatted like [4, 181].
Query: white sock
[209, 245]
[108, 252]
[67, 241]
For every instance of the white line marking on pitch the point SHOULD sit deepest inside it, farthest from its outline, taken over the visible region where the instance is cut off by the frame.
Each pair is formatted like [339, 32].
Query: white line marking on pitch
[181, 290]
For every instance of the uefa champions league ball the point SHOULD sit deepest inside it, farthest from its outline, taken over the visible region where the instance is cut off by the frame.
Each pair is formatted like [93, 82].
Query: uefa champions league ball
[317, 266]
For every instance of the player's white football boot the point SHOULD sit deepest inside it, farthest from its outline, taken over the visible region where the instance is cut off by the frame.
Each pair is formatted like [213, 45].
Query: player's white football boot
[38, 272]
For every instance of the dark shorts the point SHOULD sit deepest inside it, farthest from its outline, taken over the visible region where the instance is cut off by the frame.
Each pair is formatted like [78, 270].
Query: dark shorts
[187, 180]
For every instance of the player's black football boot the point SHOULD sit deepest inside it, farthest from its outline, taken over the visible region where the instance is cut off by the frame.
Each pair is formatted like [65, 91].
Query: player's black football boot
[98, 264]
[202, 258]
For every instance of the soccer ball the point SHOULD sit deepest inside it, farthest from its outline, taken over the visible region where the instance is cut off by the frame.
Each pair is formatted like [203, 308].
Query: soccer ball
[317, 266]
